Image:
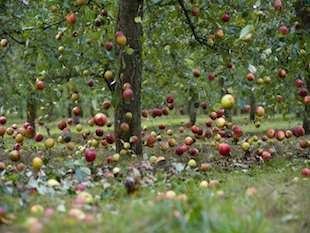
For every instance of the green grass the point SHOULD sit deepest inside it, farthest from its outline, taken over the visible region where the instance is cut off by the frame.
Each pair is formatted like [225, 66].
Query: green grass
[281, 205]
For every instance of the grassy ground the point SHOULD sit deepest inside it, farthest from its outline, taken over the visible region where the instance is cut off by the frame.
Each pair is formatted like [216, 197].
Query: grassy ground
[281, 205]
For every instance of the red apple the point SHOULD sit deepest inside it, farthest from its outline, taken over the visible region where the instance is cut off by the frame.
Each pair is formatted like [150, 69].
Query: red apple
[2, 120]
[104, 12]
[117, 34]
[304, 144]
[90, 155]
[305, 172]
[212, 37]
[280, 135]
[247, 108]
[76, 111]
[62, 124]
[90, 83]
[266, 155]
[278, 6]
[195, 11]
[307, 100]
[297, 25]
[170, 99]
[259, 111]
[38, 137]
[225, 18]
[106, 104]
[299, 131]
[80, 3]
[15, 155]
[282, 73]
[4, 42]
[110, 138]
[100, 119]
[219, 34]
[303, 92]
[145, 113]
[179, 150]
[211, 77]
[250, 76]
[40, 85]
[213, 115]
[196, 73]
[128, 94]
[2, 131]
[267, 80]
[224, 149]
[298, 83]
[74, 34]
[109, 46]
[283, 30]
[121, 40]
[124, 127]
[271, 133]
[203, 105]
[71, 19]
[97, 22]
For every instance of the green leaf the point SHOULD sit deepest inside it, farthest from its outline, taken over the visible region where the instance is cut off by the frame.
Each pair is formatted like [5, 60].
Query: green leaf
[252, 69]
[45, 120]
[246, 32]
[69, 164]
[79, 174]
[129, 51]
[54, 62]
[217, 106]
[96, 35]
[138, 19]
[85, 171]
[115, 99]
[67, 3]
[95, 103]
[189, 62]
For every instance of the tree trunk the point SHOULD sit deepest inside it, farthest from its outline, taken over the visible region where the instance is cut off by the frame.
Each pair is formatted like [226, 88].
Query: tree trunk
[253, 107]
[31, 111]
[301, 12]
[130, 71]
[306, 114]
[191, 106]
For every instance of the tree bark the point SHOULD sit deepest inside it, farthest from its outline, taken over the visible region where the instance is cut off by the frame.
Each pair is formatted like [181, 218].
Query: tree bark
[130, 71]
[301, 12]
[31, 111]
[306, 113]
[253, 107]
[191, 106]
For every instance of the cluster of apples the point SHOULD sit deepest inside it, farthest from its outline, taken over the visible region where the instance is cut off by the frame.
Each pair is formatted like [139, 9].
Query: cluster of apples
[40, 215]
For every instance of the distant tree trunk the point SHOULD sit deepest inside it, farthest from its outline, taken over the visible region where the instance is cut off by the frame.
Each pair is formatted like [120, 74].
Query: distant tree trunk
[51, 112]
[253, 107]
[130, 72]
[69, 111]
[191, 106]
[91, 111]
[31, 111]
[306, 117]
[301, 12]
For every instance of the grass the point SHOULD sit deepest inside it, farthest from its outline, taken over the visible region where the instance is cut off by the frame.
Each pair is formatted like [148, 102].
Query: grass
[280, 205]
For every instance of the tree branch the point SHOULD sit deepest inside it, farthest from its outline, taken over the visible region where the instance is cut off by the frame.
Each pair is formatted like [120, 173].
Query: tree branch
[10, 35]
[59, 21]
[199, 38]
